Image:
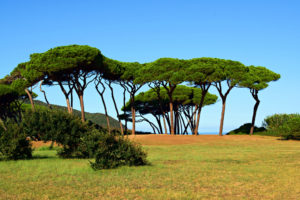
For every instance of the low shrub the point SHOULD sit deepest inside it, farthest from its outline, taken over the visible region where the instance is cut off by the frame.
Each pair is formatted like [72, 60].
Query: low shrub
[90, 143]
[14, 143]
[286, 126]
[117, 151]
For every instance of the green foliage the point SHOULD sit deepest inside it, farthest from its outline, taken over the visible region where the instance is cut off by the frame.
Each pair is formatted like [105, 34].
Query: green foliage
[285, 125]
[169, 70]
[116, 151]
[150, 102]
[90, 143]
[245, 129]
[58, 126]
[14, 143]
[258, 78]
[9, 103]
[57, 64]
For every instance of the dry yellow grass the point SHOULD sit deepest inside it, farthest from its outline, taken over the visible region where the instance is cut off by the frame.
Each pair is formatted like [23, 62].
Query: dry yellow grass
[182, 167]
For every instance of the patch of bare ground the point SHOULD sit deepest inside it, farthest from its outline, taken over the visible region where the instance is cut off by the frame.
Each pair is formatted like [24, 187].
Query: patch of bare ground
[192, 139]
[37, 144]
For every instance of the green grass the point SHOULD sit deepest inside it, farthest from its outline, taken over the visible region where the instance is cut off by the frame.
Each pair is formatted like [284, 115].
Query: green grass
[222, 169]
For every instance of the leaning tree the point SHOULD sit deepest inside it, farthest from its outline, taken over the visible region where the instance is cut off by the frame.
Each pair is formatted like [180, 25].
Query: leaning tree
[230, 72]
[23, 78]
[257, 79]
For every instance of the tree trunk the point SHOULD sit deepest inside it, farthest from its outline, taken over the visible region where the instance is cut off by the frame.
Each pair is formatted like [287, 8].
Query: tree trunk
[204, 92]
[45, 95]
[222, 116]
[66, 96]
[82, 108]
[172, 118]
[68, 105]
[106, 114]
[165, 125]
[30, 99]
[133, 120]
[254, 116]
[198, 121]
[116, 108]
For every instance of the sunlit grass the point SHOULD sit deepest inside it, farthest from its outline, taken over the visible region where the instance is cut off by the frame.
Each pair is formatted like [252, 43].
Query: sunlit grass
[220, 169]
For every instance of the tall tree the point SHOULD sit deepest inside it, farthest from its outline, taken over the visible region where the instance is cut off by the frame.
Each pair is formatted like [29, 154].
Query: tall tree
[170, 72]
[72, 65]
[131, 72]
[201, 72]
[256, 80]
[230, 72]
[112, 71]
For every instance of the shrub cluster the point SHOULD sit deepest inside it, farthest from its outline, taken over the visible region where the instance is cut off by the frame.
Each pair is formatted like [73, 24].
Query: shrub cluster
[116, 151]
[286, 126]
[14, 143]
[76, 139]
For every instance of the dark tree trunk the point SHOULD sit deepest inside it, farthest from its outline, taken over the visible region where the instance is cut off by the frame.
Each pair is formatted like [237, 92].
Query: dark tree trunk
[172, 118]
[30, 99]
[158, 123]
[254, 94]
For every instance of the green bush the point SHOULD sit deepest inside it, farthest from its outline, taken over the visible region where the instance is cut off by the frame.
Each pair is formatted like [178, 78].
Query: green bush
[90, 143]
[77, 139]
[14, 143]
[286, 126]
[116, 151]
[245, 129]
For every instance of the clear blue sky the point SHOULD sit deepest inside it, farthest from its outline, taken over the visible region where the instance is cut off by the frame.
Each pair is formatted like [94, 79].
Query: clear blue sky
[265, 33]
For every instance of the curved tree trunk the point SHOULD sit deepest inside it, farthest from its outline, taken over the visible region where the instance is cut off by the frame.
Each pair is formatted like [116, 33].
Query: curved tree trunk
[116, 108]
[254, 116]
[66, 96]
[48, 104]
[30, 99]
[106, 114]
[101, 93]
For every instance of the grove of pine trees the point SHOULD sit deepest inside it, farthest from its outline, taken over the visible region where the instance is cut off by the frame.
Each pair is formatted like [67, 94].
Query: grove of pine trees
[179, 88]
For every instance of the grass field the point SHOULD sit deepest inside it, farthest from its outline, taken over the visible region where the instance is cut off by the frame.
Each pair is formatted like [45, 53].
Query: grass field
[182, 167]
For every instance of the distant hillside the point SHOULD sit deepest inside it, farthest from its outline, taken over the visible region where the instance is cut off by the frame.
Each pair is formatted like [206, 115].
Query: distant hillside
[97, 118]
